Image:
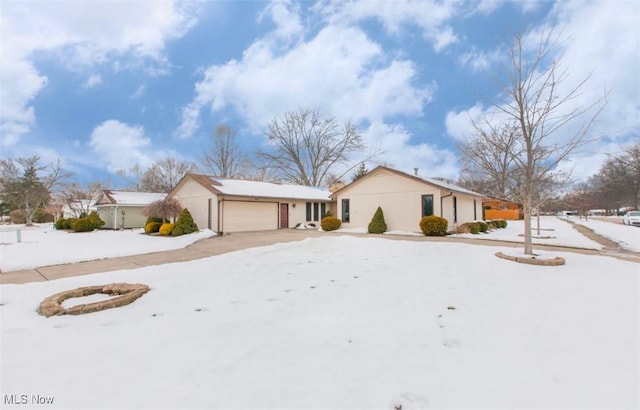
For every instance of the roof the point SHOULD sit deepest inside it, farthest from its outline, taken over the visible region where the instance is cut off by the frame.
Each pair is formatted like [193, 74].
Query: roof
[129, 198]
[431, 181]
[260, 189]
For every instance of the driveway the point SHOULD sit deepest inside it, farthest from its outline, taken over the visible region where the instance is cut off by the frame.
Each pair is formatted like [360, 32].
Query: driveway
[244, 240]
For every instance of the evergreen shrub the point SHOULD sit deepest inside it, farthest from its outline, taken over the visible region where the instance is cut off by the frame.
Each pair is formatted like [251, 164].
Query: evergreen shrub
[82, 225]
[60, 223]
[377, 224]
[184, 224]
[152, 227]
[474, 227]
[484, 227]
[67, 224]
[95, 220]
[166, 229]
[433, 225]
[330, 223]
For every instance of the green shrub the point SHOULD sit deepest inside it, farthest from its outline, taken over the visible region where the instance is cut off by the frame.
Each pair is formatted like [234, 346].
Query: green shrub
[433, 225]
[330, 223]
[500, 223]
[377, 224]
[166, 229]
[67, 224]
[95, 220]
[484, 227]
[184, 224]
[82, 225]
[42, 216]
[474, 227]
[492, 224]
[153, 219]
[152, 227]
[504, 223]
[60, 223]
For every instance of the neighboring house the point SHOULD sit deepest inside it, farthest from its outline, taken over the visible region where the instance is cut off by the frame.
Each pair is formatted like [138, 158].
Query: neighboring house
[497, 208]
[234, 205]
[404, 199]
[123, 209]
[76, 208]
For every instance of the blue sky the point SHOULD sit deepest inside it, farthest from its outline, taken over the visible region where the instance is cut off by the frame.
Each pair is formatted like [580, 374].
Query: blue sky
[105, 85]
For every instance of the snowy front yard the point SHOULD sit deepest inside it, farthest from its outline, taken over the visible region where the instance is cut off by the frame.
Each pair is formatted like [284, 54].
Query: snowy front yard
[41, 245]
[337, 322]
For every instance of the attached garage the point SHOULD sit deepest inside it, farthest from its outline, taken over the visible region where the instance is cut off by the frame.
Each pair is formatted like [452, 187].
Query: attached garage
[233, 205]
[239, 216]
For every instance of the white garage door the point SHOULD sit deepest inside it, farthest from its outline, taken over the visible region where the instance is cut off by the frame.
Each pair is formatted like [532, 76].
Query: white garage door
[249, 216]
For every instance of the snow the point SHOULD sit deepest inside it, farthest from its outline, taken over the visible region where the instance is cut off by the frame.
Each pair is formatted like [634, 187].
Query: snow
[262, 189]
[554, 231]
[135, 198]
[42, 245]
[337, 322]
[628, 237]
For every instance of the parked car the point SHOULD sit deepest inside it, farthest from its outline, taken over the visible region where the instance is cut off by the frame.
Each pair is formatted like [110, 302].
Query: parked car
[631, 218]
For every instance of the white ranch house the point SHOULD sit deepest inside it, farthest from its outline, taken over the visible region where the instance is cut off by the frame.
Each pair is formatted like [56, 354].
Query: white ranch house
[404, 199]
[232, 205]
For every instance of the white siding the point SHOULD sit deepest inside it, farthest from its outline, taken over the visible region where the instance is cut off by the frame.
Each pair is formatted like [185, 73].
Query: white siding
[195, 197]
[399, 197]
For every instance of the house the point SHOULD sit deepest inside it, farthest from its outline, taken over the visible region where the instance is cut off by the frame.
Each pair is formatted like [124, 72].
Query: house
[235, 205]
[404, 199]
[123, 209]
[498, 208]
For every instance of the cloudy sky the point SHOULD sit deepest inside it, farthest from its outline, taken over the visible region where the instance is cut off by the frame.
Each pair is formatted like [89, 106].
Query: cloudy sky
[108, 84]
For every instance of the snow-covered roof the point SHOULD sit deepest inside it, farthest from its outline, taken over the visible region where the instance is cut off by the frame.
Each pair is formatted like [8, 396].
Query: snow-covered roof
[239, 187]
[132, 198]
[449, 186]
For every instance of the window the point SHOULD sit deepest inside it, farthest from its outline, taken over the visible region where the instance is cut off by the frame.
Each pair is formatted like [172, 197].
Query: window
[319, 209]
[308, 211]
[475, 211]
[323, 210]
[315, 211]
[427, 205]
[455, 209]
[345, 210]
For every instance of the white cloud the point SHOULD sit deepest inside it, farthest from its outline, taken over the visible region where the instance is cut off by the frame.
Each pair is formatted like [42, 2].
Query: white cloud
[339, 71]
[394, 140]
[607, 53]
[93, 81]
[430, 16]
[120, 146]
[82, 34]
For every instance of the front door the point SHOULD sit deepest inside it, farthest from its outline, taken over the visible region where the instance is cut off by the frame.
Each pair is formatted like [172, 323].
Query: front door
[284, 216]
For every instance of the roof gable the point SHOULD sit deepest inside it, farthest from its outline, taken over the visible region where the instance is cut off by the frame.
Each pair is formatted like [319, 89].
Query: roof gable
[429, 181]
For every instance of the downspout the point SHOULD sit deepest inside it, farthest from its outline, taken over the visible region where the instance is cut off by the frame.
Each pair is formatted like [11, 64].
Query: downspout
[441, 198]
[220, 207]
[115, 218]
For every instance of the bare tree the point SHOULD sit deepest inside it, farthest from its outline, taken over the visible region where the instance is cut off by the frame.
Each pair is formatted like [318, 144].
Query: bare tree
[167, 209]
[133, 177]
[165, 174]
[488, 158]
[23, 187]
[629, 164]
[535, 100]
[81, 199]
[304, 148]
[224, 158]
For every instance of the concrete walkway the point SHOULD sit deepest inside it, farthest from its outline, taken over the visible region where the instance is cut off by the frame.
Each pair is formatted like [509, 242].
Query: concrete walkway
[244, 240]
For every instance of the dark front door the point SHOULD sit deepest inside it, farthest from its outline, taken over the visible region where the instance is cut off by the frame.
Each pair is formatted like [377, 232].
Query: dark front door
[284, 216]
